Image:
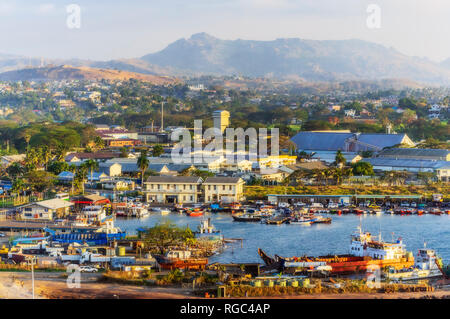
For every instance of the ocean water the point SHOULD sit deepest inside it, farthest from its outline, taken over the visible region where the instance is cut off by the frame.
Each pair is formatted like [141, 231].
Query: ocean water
[320, 239]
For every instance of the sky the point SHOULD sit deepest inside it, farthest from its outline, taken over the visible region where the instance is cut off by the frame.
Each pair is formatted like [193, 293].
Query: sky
[127, 29]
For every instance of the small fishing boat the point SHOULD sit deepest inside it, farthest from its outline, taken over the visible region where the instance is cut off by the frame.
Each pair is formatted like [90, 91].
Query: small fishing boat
[160, 210]
[194, 213]
[321, 220]
[302, 220]
[245, 217]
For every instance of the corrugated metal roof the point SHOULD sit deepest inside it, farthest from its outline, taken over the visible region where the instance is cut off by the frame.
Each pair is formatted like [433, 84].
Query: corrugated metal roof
[419, 152]
[222, 180]
[405, 163]
[174, 179]
[321, 140]
[381, 140]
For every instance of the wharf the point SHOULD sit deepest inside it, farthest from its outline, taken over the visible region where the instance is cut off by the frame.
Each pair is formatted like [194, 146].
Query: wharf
[14, 226]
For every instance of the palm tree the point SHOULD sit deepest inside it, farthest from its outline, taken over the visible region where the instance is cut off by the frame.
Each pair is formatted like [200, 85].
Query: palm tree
[60, 152]
[32, 159]
[143, 163]
[298, 175]
[91, 165]
[72, 168]
[45, 155]
[340, 159]
[80, 175]
[99, 143]
[18, 186]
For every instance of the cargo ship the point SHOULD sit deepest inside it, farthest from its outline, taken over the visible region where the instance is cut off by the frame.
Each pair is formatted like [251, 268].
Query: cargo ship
[366, 253]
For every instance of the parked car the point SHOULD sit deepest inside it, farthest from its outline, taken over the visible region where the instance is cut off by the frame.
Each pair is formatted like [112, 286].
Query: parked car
[88, 269]
[2, 235]
[413, 204]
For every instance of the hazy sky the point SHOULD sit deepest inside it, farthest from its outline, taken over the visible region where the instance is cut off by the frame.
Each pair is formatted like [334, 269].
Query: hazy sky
[114, 29]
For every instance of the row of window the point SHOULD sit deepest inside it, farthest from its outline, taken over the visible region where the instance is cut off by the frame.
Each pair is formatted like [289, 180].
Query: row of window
[191, 187]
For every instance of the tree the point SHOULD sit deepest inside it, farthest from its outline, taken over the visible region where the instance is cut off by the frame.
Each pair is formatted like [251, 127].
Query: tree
[143, 163]
[92, 166]
[15, 170]
[60, 152]
[99, 142]
[45, 155]
[362, 169]
[157, 150]
[58, 167]
[124, 152]
[39, 181]
[80, 176]
[395, 177]
[164, 235]
[19, 186]
[426, 177]
[340, 159]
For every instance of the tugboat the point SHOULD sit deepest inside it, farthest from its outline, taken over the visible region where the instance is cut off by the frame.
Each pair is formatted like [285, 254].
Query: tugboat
[427, 265]
[365, 253]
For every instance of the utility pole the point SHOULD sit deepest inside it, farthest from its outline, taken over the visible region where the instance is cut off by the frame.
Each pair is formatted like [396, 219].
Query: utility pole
[32, 262]
[162, 116]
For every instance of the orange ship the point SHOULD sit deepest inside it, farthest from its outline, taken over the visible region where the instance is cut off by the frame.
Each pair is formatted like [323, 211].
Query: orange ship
[365, 254]
[180, 259]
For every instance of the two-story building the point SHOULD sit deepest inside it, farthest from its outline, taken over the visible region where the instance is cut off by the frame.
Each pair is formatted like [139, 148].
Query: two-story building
[173, 189]
[223, 189]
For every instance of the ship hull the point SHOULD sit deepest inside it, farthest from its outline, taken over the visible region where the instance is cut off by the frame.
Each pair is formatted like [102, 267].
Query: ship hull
[190, 264]
[342, 264]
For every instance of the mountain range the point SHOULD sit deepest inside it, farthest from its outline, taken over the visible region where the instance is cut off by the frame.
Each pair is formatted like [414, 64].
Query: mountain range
[291, 58]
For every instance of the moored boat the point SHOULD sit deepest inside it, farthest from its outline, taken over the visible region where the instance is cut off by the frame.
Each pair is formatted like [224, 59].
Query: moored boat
[180, 259]
[365, 253]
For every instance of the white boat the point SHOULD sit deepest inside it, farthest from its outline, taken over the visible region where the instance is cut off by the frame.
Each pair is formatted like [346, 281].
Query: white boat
[162, 211]
[426, 265]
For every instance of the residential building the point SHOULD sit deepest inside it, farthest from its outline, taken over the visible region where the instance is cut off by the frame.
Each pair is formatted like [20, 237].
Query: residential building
[223, 189]
[443, 173]
[46, 210]
[173, 189]
[111, 169]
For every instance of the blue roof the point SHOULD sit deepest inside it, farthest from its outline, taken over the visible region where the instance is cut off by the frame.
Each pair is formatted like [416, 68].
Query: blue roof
[406, 163]
[381, 140]
[65, 174]
[324, 141]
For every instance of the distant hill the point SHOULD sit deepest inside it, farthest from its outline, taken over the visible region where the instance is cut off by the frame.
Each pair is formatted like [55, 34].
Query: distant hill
[309, 60]
[67, 72]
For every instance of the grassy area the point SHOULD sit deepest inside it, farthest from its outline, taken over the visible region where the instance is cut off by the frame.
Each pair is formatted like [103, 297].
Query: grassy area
[261, 192]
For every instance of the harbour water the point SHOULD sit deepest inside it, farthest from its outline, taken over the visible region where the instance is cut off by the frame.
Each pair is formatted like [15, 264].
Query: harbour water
[320, 239]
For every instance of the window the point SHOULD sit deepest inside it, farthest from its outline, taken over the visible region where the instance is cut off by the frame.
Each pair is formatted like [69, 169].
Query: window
[230, 187]
[190, 187]
[215, 187]
[223, 187]
[192, 198]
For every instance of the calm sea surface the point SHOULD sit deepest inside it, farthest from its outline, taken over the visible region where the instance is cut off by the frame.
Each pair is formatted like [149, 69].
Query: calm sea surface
[320, 239]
